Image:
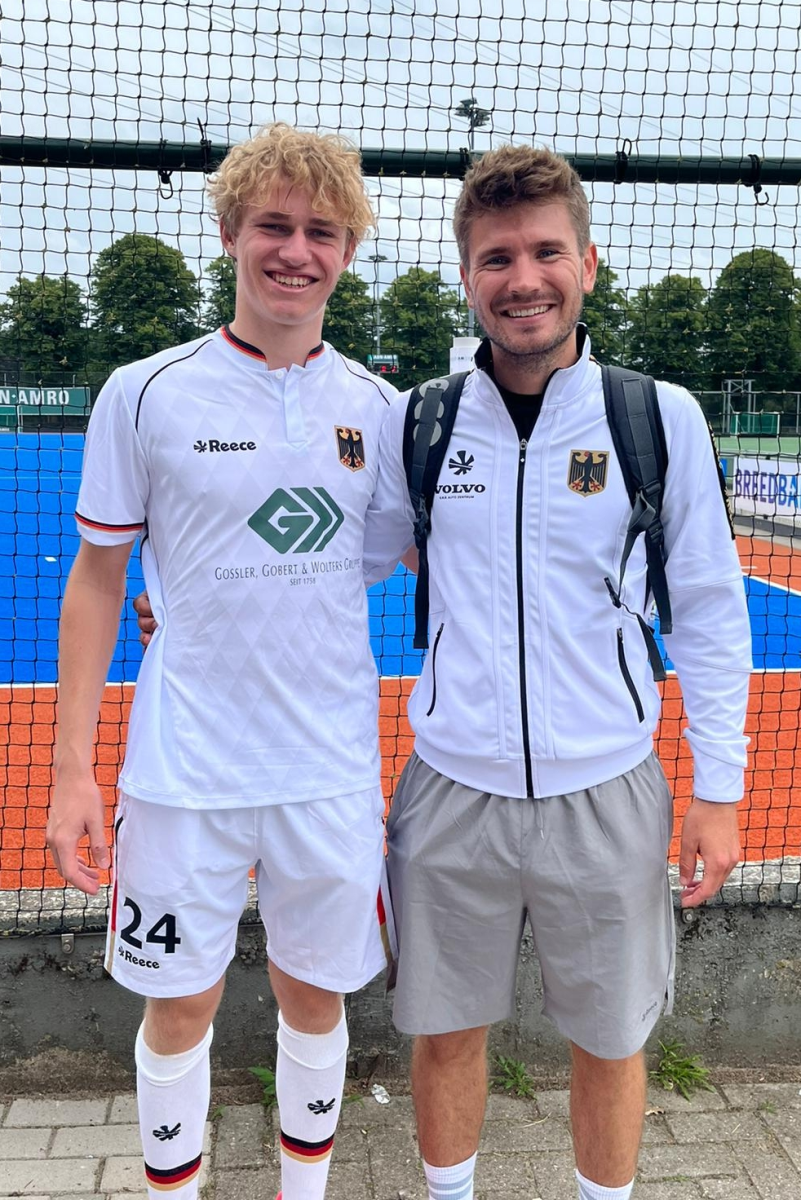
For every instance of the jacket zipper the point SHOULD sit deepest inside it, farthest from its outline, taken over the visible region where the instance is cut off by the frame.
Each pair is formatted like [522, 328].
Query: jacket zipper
[624, 670]
[434, 669]
[521, 620]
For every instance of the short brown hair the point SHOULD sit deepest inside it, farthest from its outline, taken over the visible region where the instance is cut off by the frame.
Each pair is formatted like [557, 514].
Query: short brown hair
[327, 166]
[513, 175]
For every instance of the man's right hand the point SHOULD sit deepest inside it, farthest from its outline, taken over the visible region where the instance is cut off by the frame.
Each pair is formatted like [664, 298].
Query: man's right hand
[77, 810]
[145, 619]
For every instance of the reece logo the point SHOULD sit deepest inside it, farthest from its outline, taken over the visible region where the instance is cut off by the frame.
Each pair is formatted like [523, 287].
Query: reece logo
[461, 463]
[215, 447]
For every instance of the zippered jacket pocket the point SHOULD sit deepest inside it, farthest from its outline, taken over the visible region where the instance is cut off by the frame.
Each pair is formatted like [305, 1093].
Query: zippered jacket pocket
[624, 671]
[434, 670]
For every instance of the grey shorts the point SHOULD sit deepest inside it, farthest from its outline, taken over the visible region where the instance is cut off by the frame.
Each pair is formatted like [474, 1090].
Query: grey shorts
[588, 869]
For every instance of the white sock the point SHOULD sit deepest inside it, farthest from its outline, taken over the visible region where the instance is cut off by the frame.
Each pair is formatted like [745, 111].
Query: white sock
[309, 1077]
[173, 1095]
[596, 1191]
[451, 1183]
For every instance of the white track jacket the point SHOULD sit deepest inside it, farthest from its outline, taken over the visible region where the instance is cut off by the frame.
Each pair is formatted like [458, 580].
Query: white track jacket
[535, 684]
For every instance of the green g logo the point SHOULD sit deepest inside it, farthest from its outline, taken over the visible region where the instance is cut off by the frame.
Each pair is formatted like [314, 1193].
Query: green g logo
[298, 521]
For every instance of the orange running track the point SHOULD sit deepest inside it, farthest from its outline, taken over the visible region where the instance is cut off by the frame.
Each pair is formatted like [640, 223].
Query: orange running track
[770, 816]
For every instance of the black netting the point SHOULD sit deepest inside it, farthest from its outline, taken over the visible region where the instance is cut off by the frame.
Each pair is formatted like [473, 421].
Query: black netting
[681, 119]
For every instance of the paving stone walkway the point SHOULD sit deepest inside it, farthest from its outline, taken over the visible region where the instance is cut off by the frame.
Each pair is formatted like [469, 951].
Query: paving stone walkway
[738, 1142]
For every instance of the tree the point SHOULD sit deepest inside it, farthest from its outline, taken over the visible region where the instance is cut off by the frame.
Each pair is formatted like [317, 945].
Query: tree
[349, 319]
[42, 330]
[419, 318]
[605, 316]
[220, 302]
[753, 322]
[667, 331]
[144, 298]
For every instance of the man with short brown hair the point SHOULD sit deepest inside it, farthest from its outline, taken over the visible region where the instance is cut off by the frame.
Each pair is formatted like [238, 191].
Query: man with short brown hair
[534, 792]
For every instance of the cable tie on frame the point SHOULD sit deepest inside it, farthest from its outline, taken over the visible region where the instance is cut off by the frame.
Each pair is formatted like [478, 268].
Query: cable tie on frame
[205, 147]
[622, 160]
[165, 175]
[165, 183]
[754, 180]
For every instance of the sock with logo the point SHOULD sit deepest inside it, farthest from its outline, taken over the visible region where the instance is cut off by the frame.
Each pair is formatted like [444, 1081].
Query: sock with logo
[596, 1191]
[451, 1183]
[309, 1077]
[173, 1095]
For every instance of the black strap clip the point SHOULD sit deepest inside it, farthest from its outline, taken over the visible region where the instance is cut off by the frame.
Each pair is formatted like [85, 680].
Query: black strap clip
[165, 176]
[754, 180]
[205, 146]
[622, 161]
[610, 587]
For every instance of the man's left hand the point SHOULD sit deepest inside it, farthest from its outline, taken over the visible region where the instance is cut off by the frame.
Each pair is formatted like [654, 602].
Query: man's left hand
[710, 832]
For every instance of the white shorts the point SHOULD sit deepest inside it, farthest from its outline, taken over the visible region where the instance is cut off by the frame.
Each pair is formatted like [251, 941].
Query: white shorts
[181, 884]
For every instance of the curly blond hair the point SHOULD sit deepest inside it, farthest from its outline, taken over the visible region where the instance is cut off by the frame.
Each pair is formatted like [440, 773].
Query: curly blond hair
[513, 175]
[326, 166]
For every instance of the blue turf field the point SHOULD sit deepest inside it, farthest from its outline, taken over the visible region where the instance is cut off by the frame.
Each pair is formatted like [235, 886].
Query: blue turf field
[39, 476]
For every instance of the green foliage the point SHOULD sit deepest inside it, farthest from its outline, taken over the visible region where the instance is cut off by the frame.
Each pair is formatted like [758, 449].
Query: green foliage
[220, 302]
[605, 316]
[753, 322]
[681, 1072]
[349, 318]
[42, 330]
[419, 317]
[667, 331]
[513, 1077]
[144, 298]
[266, 1078]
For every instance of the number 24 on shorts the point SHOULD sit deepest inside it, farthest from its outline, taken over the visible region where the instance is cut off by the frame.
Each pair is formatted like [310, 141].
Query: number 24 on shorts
[168, 938]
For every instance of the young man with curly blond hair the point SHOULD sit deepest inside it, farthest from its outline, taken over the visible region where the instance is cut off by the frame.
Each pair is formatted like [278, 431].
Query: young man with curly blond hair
[245, 461]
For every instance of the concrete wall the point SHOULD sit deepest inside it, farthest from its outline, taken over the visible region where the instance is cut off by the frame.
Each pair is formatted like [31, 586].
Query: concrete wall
[738, 1002]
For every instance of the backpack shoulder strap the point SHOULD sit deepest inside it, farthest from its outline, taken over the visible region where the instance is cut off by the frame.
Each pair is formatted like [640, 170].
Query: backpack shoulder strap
[632, 411]
[430, 415]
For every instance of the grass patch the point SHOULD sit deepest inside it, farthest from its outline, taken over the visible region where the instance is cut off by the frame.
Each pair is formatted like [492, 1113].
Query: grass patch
[513, 1078]
[680, 1072]
[266, 1078]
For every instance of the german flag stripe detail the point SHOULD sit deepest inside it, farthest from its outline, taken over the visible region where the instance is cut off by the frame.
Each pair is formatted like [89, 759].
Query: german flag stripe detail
[238, 344]
[254, 352]
[174, 1177]
[310, 1152]
[110, 528]
[383, 929]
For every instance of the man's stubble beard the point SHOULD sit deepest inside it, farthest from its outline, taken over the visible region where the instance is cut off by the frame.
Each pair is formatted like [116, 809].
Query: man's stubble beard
[540, 356]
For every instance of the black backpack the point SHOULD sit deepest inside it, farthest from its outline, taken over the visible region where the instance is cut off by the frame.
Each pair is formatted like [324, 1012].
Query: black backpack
[632, 410]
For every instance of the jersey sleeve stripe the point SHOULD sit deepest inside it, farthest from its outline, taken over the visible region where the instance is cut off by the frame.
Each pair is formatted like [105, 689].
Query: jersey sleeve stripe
[133, 528]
